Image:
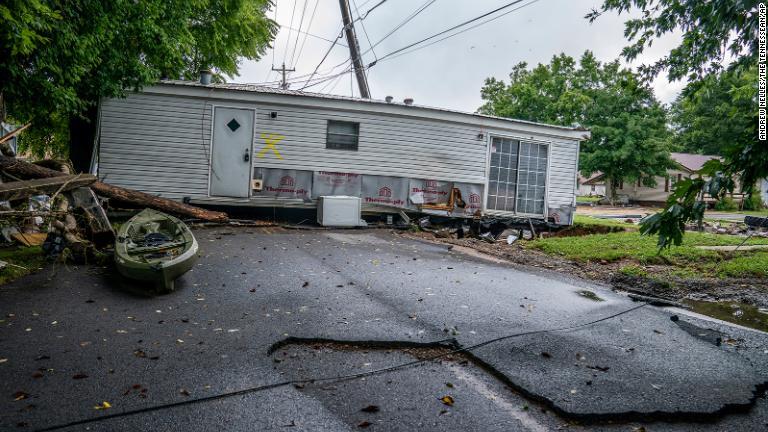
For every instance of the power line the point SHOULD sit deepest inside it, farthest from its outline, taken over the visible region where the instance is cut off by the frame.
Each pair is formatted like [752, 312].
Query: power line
[298, 35]
[341, 34]
[457, 33]
[369, 10]
[288, 43]
[313, 35]
[309, 26]
[338, 378]
[413, 15]
[510, 4]
[362, 24]
[269, 73]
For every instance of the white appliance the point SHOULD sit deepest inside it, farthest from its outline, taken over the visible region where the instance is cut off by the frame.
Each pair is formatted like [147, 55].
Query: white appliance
[339, 211]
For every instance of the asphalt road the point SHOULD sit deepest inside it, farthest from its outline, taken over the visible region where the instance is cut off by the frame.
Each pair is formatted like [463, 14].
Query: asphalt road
[267, 307]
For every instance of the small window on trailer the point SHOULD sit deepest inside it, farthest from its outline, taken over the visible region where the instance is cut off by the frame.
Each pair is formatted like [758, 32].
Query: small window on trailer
[342, 135]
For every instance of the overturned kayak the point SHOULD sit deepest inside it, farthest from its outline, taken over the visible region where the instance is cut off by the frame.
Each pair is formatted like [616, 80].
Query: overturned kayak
[155, 247]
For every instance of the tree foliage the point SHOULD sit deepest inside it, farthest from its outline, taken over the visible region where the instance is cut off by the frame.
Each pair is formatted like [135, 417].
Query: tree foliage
[58, 57]
[699, 114]
[712, 31]
[627, 123]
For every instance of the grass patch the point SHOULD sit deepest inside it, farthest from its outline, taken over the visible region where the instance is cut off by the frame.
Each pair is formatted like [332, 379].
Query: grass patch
[588, 199]
[592, 221]
[631, 245]
[749, 264]
[30, 258]
[633, 270]
[737, 313]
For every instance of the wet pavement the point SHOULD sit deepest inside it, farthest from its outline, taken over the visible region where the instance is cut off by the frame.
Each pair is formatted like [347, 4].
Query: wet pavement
[72, 338]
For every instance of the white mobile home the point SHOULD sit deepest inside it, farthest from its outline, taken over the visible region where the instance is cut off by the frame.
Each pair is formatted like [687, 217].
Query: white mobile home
[238, 144]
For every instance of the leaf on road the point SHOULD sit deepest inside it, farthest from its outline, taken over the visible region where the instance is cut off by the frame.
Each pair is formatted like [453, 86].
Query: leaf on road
[20, 395]
[102, 406]
[305, 284]
[449, 385]
[447, 400]
[184, 392]
[79, 376]
[3, 360]
[546, 354]
[364, 424]
[43, 357]
[371, 409]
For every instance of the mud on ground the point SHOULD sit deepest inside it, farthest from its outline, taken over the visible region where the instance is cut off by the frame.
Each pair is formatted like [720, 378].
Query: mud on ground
[658, 282]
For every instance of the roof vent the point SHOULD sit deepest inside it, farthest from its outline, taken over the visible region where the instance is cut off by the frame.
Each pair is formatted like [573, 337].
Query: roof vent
[388, 99]
[408, 101]
[205, 76]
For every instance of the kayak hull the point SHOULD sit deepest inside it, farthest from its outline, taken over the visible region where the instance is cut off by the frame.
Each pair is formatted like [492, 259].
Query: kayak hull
[165, 260]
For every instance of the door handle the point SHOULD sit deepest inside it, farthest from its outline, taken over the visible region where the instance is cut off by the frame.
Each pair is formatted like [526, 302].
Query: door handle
[246, 156]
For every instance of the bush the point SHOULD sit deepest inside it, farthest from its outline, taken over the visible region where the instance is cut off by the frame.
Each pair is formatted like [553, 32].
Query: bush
[726, 204]
[753, 203]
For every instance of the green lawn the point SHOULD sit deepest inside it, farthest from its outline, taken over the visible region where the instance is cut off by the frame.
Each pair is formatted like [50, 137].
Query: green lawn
[588, 199]
[28, 259]
[631, 245]
[590, 221]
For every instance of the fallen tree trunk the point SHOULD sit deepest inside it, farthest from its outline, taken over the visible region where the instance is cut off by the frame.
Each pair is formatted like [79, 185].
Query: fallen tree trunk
[46, 186]
[23, 169]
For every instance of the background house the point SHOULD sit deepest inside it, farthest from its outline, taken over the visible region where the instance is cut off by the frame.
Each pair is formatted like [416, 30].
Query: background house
[593, 185]
[687, 164]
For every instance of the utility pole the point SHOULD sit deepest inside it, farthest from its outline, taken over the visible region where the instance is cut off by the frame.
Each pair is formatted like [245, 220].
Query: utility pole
[284, 84]
[354, 49]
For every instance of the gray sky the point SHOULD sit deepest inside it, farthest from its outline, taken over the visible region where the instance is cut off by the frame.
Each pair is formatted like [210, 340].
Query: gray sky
[448, 74]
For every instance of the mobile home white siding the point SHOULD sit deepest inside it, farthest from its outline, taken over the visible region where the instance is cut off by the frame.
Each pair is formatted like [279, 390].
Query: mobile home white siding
[159, 141]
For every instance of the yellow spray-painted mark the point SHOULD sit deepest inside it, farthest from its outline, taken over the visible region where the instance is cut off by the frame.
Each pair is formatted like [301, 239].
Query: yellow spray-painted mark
[270, 143]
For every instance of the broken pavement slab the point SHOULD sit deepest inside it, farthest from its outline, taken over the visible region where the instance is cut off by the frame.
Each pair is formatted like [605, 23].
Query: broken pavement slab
[616, 370]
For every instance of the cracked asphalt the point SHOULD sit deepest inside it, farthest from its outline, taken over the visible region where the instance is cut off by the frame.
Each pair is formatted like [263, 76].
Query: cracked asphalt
[72, 338]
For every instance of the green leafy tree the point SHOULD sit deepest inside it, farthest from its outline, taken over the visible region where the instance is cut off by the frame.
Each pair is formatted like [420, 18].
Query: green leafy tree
[699, 112]
[58, 58]
[627, 123]
[711, 32]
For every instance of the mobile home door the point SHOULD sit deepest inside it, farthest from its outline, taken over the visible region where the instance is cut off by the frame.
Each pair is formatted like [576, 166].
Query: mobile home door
[231, 152]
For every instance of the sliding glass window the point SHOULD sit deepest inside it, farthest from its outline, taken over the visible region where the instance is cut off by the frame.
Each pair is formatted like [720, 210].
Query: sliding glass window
[517, 179]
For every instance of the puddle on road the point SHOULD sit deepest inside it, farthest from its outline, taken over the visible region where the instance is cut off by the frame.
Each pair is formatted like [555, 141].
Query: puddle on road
[737, 313]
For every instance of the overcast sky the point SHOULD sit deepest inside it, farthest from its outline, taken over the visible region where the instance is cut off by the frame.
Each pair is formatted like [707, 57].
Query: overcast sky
[448, 74]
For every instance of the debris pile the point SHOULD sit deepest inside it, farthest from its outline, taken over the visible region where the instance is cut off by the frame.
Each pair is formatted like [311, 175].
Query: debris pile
[43, 204]
[752, 226]
[490, 229]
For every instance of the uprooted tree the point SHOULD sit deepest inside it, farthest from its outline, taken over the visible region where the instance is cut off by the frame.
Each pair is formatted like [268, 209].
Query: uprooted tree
[627, 123]
[711, 32]
[58, 58]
